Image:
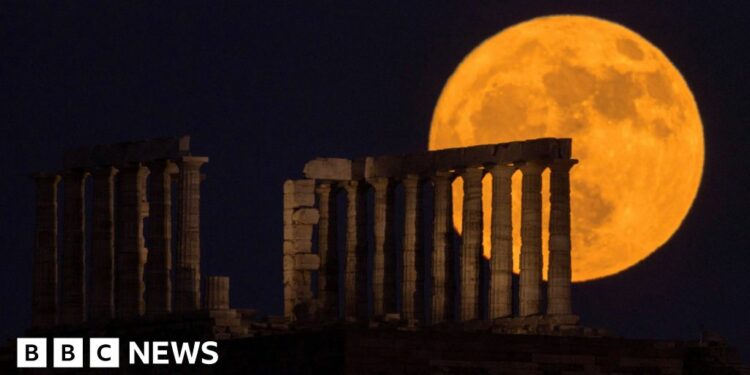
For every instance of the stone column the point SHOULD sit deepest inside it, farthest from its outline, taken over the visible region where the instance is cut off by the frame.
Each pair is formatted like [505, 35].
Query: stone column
[413, 258]
[73, 309]
[187, 294]
[159, 265]
[530, 282]
[44, 288]
[442, 256]
[384, 267]
[355, 275]
[131, 250]
[217, 292]
[501, 262]
[103, 244]
[559, 275]
[328, 277]
[471, 244]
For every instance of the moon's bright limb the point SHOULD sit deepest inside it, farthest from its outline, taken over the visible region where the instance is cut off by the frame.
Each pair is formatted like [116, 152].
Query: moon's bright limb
[634, 123]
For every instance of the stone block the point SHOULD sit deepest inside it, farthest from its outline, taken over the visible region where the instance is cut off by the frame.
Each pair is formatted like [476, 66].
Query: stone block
[299, 186]
[308, 262]
[297, 246]
[299, 193]
[298, 232]
[299, 200]
[329, 169]
[288, 213]
[306, 216]
[383, 166]
[289, 263]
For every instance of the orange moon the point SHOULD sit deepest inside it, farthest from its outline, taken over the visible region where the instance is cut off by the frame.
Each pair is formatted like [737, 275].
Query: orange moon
[634, 123]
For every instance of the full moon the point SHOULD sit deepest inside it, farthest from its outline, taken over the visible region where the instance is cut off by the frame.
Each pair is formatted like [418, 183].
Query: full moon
[634, 123]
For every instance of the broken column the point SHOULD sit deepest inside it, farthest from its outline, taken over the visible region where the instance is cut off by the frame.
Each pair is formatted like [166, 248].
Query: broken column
[44, 287]
[131, 249]
[187, 293]
[328, 276]
[413, 265]
[530, 282]
[384, 261]
[559, 273]
[103, 244]
[159, 265]
[217, 292]
[73, 301]
[299, 261]
[501, 260]
[355, 273]
[471, 244]
[442, 256]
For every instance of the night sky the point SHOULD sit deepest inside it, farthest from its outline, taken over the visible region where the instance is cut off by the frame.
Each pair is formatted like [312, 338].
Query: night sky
[264, 88]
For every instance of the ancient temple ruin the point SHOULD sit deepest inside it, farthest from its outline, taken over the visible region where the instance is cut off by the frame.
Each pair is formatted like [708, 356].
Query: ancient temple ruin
[310, 205]
[130, 182]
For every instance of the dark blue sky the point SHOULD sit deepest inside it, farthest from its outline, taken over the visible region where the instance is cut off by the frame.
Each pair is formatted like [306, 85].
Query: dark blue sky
[263, 88]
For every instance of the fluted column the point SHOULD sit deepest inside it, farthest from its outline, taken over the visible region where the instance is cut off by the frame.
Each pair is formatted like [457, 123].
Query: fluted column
[103, 244]
[501, 261]
[384, 262]
[187, 294]
[471, 244]
[559, 274]
[442, 256]
[412, 284]
[355, 277]
[159, 265]
[530, 282]
[44, 288]
[131, 250]
[217, 292]
[73, 309]
[328, 276]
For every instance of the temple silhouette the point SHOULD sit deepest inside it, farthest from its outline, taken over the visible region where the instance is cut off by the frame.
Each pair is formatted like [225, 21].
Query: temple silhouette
[375, 278]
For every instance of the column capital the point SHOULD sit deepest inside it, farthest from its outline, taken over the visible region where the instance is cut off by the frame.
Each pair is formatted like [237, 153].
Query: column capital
[75, 173]
[163, 165]
[51, 177]
[107, 171]
[411, 181]
[380, 183]
[353, 185]
[503, 170]
[562, 165]
[196, 161]
[443, 175]
[532, 167]
[469, 172]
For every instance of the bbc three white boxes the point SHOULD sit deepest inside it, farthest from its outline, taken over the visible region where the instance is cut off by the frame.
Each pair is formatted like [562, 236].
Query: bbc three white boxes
[67, 353]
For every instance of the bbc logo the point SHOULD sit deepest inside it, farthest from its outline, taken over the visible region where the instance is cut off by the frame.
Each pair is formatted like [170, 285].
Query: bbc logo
[67, 352]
